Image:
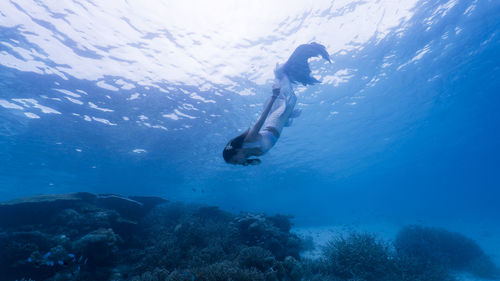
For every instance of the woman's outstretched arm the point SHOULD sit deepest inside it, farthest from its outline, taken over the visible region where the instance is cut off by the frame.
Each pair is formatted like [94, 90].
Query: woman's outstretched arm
[254, 131]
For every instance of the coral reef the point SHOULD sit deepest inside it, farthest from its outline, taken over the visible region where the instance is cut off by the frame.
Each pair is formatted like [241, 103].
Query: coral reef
[451, 250]
[83, 236]
[358, 257]
[418, 253]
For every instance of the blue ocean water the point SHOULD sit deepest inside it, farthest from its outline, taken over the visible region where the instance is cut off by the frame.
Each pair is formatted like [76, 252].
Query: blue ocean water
[140, 97]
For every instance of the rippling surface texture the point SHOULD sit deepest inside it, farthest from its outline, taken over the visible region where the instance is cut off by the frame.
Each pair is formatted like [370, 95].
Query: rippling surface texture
[140, 97]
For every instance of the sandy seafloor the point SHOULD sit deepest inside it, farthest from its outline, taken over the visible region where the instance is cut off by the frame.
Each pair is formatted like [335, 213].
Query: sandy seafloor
[486, 234]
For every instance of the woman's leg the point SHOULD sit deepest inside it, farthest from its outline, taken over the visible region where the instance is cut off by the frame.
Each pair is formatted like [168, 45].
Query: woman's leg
[279, 115]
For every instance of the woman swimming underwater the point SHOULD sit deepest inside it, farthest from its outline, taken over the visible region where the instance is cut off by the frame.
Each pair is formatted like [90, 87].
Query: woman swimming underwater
[279, 109]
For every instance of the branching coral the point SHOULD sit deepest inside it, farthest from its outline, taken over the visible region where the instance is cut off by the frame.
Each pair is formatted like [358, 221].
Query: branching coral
[358, 257]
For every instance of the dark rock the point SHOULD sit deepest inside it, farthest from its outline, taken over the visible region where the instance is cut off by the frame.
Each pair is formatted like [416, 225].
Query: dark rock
[38, 209]
[42, 209]
[50, 198]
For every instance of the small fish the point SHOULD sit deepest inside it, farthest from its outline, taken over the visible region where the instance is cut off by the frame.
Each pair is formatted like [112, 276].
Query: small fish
[47, 255]
[60, 262]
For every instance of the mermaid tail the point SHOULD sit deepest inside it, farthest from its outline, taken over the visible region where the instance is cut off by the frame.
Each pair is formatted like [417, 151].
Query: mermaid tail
[297, 68]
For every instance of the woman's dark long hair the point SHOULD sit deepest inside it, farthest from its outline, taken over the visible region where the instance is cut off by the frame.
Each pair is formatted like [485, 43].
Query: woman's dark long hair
[232, 146]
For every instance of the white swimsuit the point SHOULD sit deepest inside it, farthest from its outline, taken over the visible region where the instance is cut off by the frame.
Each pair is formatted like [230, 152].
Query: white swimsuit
[280, 112]
[266, 140]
